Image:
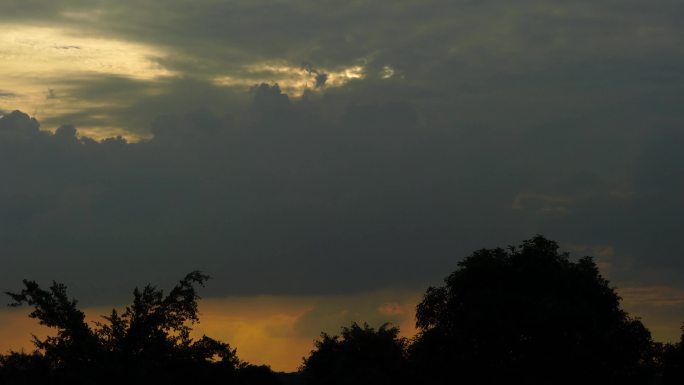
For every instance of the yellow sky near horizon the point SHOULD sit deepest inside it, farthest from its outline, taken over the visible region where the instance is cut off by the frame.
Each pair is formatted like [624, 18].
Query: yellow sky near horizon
[278, 331]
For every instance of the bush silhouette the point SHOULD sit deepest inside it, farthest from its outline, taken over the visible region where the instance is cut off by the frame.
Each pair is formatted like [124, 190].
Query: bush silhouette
[360, 355]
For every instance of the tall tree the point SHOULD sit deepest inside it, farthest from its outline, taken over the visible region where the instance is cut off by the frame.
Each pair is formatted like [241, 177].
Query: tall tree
[528, 314]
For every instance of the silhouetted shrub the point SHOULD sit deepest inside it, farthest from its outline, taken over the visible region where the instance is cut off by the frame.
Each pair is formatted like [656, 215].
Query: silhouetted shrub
[361, 355]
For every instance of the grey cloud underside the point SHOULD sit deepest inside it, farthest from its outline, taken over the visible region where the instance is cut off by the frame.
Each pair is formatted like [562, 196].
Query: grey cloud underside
[503, 120]
[325, 195]
[134, 104]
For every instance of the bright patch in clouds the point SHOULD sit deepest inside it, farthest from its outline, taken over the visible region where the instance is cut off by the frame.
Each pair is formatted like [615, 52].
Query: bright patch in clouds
[387, 72]
[293, 80]
[43, 52]
[38, 62]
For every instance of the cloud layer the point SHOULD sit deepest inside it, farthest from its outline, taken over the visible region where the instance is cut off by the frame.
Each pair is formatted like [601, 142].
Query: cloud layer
[439, 127]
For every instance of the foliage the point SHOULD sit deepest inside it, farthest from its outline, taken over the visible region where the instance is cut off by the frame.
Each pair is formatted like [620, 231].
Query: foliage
[529, 315]
[149, 342]
[672, 362]
[75, 341]
[361, 355]
[521, 315]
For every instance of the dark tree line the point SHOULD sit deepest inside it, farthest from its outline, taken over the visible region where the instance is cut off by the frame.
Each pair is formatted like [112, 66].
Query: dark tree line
[149, 342]
[521, 315]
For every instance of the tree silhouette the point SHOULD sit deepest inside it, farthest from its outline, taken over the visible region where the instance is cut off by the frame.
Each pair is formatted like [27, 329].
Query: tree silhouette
[75, 342]
[672, 361]
[157, 326]
[361, 355]
[528, 315]
[149, 342]
[521, 315]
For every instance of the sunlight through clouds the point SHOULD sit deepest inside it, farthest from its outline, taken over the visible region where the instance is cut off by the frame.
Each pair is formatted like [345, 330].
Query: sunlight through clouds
[39, 62]
[293, 80]
[46, 52]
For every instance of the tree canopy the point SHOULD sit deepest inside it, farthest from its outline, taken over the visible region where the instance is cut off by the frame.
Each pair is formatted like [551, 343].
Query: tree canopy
[672, 362]
[148, 342]
[528, 314]
[359, 355]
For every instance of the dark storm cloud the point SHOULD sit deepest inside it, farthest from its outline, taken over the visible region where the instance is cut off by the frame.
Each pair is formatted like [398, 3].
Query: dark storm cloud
[280, 198]
[500, 120]
[287, 196]
[134, 104]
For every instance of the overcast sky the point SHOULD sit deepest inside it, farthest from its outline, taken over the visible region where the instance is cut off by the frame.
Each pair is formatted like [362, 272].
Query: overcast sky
[309, 148]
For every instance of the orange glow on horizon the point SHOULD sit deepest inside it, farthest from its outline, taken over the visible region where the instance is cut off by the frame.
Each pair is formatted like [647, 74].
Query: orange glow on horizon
[278, 331]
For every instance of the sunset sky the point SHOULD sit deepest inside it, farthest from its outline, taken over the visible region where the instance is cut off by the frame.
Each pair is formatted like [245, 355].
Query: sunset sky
[326, 161]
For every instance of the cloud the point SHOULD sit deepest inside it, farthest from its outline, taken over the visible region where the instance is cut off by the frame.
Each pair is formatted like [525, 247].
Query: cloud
[320, 78]
[288, 188]
[441, 127]
[475, 55]
[278, 189]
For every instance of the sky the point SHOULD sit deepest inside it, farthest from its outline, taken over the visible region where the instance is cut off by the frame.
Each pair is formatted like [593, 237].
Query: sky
[326, 161]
